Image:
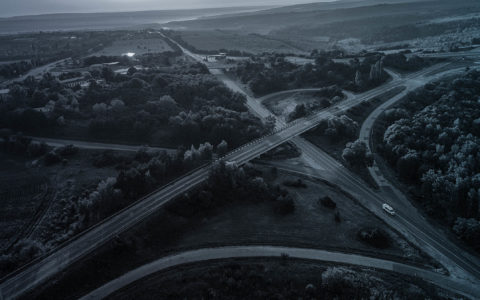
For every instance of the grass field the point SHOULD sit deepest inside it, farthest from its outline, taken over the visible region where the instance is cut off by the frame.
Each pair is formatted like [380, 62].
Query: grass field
[21, 194]
[251, 43]
[33, 197]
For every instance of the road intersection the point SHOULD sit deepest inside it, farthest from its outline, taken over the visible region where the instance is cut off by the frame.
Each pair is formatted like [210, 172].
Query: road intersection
[413, 226]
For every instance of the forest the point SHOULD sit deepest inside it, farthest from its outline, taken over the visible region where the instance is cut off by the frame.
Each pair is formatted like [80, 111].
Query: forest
[432, 140]
[181, 105]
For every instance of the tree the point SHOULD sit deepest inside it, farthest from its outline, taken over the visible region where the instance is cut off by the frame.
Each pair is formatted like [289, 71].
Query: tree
[469, 231]
[222, 148]
[355, 153]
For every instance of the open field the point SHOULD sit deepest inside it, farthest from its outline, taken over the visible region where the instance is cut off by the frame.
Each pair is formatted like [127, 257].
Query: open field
[137, 46]
[34, 196]
[311, 225]
[22, 193]
[232, 40]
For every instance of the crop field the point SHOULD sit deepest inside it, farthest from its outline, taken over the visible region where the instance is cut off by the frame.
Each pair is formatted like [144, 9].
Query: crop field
[252, 43]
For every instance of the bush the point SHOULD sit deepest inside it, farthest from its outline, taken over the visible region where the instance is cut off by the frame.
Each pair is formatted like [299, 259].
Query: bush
[328, 202]
[67, 150]
[469, 231]
[295, 183]
[52, 158]
[337, 217]
[374, 236]
[36, 149]
[299, 112]
[356, 154]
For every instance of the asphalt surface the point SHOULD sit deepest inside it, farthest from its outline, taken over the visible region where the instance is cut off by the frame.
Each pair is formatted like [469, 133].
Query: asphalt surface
[208, 254]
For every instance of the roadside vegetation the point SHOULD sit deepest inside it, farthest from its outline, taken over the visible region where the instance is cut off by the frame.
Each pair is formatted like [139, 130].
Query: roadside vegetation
[270, 73]
[432, 141]
[270, 278]
[243, 206]
[79, 201]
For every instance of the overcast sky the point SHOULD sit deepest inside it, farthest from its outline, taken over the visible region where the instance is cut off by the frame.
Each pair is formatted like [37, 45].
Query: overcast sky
[28, 7]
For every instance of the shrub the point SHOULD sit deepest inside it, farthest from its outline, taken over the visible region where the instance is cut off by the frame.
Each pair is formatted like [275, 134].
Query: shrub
[295, 183]
[67, 150]
[337, 217]
[52, 158]
[328, 202]
[374, 236]
[36, 149]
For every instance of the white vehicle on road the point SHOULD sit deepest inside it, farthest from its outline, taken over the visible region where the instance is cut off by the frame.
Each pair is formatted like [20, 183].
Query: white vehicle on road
[388, 209]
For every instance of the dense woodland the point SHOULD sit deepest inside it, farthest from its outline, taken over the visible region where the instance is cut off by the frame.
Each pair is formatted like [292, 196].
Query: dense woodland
[433, 142]
[177, 105]
[273, 73]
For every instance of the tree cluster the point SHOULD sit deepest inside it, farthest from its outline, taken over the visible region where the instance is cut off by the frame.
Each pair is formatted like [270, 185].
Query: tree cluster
[337, 128]
[272, 73]
[355, 153]
[181, 107]
[228, 183]
[401, 62]
[437, 148]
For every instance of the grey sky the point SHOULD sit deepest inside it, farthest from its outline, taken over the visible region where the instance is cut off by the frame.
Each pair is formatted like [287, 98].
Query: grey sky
[27, 7]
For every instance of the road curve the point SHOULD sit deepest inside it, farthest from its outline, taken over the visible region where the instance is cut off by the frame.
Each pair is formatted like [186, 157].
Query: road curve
[208, 254]
[408, 221]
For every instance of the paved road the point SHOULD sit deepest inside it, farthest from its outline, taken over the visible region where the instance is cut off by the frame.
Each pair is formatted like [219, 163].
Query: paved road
[208, 254]
[97, 146]
[469, 53]
[35, 72]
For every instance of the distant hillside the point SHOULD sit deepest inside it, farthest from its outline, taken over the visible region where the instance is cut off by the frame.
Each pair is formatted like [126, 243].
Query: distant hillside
[311, 15]
[102, 21]
[318, 25]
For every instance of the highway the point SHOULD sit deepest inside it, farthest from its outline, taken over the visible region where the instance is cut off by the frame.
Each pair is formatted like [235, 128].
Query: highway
[209, 254]
[414, 228]
[408, 221]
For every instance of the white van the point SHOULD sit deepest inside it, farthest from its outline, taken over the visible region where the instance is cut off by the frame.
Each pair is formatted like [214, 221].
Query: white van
[388, 209]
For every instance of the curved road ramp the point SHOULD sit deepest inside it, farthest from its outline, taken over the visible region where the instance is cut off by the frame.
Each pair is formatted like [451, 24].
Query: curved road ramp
[207, 254]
